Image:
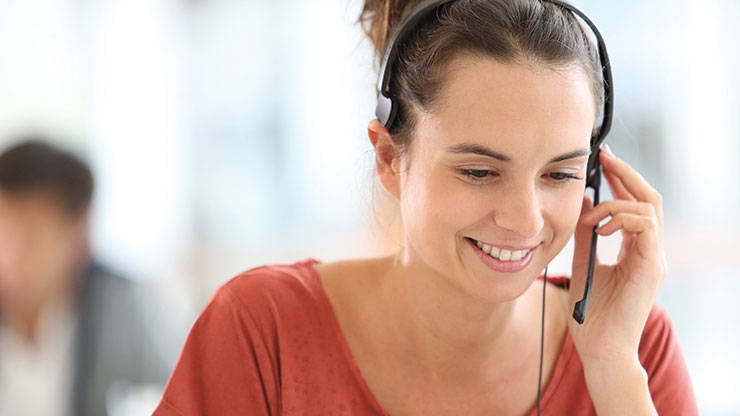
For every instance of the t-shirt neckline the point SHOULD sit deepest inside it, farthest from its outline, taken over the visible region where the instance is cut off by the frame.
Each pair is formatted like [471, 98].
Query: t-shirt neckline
[561, 364]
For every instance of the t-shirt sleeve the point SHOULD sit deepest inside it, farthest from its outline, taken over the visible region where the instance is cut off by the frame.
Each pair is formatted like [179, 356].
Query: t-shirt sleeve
[226, 366]
[663, 360]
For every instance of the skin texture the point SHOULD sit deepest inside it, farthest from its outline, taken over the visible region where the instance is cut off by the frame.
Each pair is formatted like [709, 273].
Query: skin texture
[41, 247]
[435, 317]
[622, 294]
[530, 116]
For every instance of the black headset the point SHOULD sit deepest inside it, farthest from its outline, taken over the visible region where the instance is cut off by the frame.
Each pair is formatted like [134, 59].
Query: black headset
[387, 108]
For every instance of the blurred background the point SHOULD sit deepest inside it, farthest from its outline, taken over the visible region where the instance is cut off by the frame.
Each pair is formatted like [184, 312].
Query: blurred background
[226, 134]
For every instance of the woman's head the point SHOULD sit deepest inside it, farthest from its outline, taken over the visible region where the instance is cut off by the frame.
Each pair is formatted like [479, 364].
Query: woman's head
[498, 100]
[530, 32]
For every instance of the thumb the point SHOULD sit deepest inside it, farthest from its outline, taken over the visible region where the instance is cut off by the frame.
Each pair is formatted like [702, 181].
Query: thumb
[582, 240]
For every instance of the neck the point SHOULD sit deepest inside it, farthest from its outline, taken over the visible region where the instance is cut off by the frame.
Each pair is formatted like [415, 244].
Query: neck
[23, 313]
[450, 333]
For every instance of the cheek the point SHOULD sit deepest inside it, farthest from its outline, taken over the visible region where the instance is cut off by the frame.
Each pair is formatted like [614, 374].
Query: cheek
[432, 211]
[565, 212]
[54, 247]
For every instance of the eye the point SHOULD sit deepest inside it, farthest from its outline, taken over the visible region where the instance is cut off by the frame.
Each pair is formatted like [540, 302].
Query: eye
[476, 175]
[562, 178]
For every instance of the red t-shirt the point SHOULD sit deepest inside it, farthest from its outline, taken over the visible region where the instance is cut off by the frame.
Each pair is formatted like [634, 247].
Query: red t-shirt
[268, 343]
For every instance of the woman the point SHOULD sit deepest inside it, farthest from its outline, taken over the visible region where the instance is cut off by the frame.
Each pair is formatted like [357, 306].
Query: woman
[487, 155]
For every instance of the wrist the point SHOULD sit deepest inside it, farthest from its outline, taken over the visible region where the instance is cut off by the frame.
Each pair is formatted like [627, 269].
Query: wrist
[619, 387]
[615, 372]
[599, 369]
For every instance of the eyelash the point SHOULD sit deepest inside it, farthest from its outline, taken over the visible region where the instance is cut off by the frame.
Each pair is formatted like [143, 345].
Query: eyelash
[471, 174]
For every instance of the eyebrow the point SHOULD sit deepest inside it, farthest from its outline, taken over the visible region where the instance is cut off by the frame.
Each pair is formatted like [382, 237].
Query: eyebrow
[477, 149]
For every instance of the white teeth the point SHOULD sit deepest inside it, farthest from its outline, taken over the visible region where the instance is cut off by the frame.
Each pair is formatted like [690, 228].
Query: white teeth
[495, 251]
[501, 253]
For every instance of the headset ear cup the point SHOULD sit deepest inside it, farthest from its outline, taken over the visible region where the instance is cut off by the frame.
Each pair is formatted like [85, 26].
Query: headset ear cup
[384, 110]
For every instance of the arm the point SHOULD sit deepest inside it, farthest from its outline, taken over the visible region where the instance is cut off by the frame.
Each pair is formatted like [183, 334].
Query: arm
[226, 366]
[662, 370]
[619, 388]
[621, 314]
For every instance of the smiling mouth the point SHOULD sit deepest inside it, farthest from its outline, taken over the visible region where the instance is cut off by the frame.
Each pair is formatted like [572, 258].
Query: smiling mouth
[502, 254]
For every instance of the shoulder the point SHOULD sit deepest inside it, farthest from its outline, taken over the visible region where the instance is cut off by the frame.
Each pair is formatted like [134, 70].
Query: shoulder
[122, 331]
[273, 285]
[101, 279]
[106, 295]
[240, 347]
[268, 298]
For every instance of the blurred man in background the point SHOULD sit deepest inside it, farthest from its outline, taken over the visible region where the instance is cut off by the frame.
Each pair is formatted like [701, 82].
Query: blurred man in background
[73, 336]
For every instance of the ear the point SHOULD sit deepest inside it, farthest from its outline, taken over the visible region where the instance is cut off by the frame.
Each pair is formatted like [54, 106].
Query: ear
[387, 157]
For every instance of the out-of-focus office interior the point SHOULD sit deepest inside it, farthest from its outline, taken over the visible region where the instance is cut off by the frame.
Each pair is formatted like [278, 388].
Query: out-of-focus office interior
[227, 134]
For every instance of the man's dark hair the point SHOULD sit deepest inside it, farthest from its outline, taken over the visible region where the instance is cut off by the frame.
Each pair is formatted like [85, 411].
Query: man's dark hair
[32, 165]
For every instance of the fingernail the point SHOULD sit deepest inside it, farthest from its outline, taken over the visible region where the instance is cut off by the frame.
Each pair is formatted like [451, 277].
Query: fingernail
[607, 150]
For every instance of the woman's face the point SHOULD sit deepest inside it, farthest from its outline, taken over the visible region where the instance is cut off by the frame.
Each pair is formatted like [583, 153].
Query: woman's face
[500, 162]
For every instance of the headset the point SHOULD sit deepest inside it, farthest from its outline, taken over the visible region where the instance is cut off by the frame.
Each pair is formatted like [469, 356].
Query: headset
[387, 109]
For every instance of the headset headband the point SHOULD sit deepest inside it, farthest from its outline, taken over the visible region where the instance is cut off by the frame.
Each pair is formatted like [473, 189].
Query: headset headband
[386, 109]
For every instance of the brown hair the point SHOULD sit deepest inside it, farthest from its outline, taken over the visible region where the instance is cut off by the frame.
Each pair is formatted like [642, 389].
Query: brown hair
[34, 166]
[510, 31]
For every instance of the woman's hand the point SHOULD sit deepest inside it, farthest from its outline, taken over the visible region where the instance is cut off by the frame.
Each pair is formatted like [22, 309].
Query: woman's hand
[622, 295]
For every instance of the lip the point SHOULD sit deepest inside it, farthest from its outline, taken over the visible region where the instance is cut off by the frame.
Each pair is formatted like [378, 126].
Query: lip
[503, 266]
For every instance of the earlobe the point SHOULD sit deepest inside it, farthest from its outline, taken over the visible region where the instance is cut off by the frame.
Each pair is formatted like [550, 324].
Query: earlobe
[386, 155]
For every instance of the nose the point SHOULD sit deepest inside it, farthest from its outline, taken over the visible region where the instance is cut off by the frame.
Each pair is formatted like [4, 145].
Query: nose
[520, 212]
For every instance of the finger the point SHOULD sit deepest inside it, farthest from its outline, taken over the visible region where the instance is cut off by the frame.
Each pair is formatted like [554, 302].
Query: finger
[612, 208]
[644, 230]
[617, 187]
[627, 221]
[633, 182]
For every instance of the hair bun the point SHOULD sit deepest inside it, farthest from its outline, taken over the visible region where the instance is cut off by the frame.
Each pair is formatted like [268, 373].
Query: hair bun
[379, 18]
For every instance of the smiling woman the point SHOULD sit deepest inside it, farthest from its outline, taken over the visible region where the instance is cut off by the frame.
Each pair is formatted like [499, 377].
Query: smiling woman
[486, 148]
[479, 125]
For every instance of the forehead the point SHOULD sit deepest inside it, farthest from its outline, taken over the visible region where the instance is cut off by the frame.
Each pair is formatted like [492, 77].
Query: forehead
[31, 207]
[515, 107]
